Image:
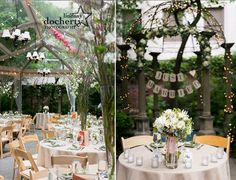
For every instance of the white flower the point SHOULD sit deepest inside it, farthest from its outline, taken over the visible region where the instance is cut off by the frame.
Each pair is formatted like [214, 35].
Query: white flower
[110, 38]
[110, 57]
[181, 125]
[174, 122]
[143, 41]
[206, 63]
[132, 54]
[89, 36]
[158, 136]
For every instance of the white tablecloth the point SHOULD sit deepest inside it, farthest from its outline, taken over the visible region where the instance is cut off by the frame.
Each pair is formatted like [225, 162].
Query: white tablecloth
[42, 120]
[214, 171]
[45, 153]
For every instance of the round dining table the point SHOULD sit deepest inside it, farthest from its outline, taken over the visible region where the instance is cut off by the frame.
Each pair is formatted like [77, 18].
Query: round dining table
[214, 171]
[42, 120]
[46, 150]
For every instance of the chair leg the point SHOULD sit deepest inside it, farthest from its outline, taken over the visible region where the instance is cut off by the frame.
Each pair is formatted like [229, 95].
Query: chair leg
[14, 170]
[1, 150]
[18, 176]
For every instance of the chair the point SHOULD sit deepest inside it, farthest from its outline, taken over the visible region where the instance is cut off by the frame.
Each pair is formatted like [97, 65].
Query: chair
[17, 128]
[136, 141]
[25, 126]
[217, 141]
[32, 123]
[29, 139]
[68, 160]
[38, 175]
[14, 145]
[48, 134]
[6, 136]
[82, 177]
[21, 155]
[1, 177]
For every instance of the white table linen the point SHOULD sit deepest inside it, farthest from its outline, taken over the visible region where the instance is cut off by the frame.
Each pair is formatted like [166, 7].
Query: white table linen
[42, 120]
[45, 152]
[214, 171]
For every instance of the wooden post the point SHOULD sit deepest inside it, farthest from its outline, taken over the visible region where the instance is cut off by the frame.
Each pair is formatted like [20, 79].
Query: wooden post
[228, 110]
[206, 120]
[199, 93]
[155, 66]
[122, 71]
[142, 123]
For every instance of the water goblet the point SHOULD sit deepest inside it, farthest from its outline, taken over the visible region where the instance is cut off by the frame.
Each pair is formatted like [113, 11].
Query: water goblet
[126, 153]
[139, 161]
[155, 162]
[131, 158]
[220, 152]
[102, 168]
[188, 163]
[205, 161]
[213, 158]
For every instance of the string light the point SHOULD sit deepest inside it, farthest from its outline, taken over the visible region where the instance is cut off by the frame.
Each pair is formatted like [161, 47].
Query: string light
[227, 74]
[124, 68]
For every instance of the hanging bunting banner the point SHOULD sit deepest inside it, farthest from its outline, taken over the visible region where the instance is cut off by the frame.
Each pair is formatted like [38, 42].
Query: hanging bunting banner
[157, 89]
[158, 75]
[196, 84]
[172, 77]
[172, 94]
[192, 73]
[164, 92]
[166, 77]
[181, 93]
[189, 89]
[150, 84]
[180, 77]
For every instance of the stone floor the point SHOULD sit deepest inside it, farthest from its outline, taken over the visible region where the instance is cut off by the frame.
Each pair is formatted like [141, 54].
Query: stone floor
[6, 164]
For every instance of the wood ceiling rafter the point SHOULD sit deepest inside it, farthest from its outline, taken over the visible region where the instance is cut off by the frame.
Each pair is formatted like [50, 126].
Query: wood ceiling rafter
[14, 71]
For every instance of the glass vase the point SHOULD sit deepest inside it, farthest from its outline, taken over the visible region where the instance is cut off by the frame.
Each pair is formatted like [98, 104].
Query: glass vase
[171, 157]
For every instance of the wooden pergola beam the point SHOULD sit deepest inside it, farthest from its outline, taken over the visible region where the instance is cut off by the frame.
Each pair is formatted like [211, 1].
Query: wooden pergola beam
[30, 13]
[20, 51]
[61, 60]
[14, 71]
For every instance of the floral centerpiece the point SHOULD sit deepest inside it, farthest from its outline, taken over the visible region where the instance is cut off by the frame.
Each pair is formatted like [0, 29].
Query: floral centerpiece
[45, 109]
[175, 124]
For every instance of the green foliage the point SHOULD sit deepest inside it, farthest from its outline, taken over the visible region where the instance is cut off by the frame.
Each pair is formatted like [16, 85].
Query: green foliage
[124, 126]
[217, 86]
[126, 15]
[8, 14]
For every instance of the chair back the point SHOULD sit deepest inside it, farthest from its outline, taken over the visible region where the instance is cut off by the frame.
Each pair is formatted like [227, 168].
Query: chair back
[212, 140]
[13, 145]
[7, 132]
[34, 118]
[38, 175]
[48, 134]
[82, 177]
[25, 126]
[68, 160]
[20, 156]
[17, 127]
[136, 141]
[28, 139]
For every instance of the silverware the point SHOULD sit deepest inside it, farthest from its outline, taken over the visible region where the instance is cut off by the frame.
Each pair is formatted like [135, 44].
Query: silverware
[200, 146]
[149, 148]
